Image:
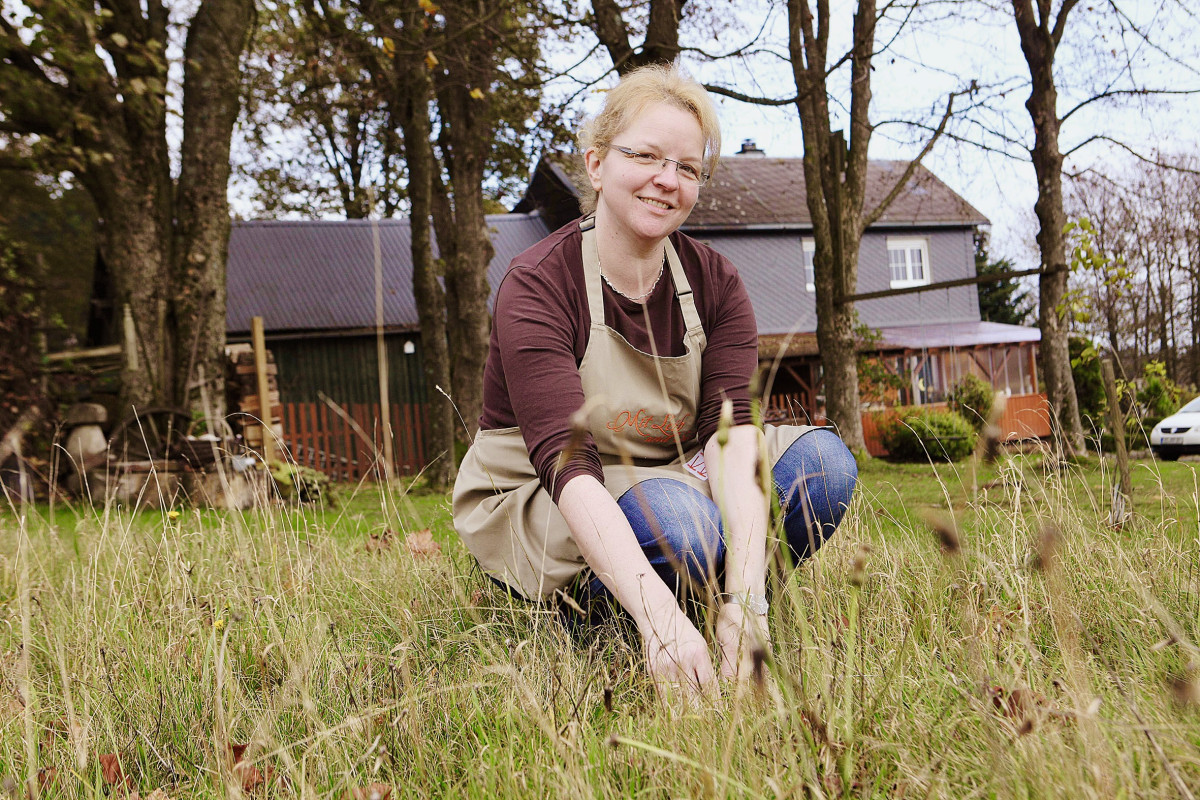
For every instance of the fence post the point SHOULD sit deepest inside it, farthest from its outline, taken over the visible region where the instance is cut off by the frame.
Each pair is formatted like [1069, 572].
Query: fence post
[264, 392]
[1123, 506]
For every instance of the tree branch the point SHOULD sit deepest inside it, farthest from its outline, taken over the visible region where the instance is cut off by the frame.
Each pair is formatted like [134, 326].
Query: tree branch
[1124, 93]
[745, 98]
[1099, 137]
[871, 218]
[1060, 22]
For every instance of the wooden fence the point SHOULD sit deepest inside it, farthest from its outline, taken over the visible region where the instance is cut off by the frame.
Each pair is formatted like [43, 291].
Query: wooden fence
[346, 442]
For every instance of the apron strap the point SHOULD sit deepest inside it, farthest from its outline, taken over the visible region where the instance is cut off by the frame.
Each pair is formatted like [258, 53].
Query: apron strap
[591, 271]
[687, 303]
[683, 289]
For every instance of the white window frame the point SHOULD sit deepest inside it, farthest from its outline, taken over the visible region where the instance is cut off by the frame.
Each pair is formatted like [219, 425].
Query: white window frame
[907, 245]
[809, 249]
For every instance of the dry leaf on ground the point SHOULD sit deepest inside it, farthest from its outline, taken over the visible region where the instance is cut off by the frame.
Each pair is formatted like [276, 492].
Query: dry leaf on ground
[420, 544]
[250, 776]
[376, 791]
[377, 542]
[112, 772]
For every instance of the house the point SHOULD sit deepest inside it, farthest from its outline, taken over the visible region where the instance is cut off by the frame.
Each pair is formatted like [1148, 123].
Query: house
[754, 211]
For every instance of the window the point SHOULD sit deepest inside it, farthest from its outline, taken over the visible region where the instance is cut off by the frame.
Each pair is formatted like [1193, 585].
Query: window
[908, 260]
[809, 247]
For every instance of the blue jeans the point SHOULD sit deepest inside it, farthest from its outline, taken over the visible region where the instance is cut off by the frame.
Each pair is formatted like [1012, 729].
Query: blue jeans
[679, 528]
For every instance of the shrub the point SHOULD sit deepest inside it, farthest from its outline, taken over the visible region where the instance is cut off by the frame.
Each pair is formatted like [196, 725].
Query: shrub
[972, 398]
[920, 434]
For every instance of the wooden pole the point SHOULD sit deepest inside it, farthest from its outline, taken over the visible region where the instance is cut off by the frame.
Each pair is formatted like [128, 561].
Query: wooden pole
[389, 456]
[264, 390]
[131, 348]
[1124, 507]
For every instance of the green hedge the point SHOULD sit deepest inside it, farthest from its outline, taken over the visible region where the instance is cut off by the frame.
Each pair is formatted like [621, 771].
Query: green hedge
[921, 434]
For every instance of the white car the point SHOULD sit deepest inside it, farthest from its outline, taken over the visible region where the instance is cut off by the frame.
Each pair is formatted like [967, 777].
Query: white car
[1179, 434]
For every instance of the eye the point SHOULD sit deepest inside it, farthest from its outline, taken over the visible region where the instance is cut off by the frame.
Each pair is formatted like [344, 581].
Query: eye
[690, 171]
[645, 159]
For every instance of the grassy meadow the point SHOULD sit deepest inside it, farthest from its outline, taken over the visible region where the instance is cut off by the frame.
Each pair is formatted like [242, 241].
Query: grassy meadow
[1026, 650]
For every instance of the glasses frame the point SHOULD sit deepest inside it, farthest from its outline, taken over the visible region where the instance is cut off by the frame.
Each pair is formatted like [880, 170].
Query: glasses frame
[663, 161]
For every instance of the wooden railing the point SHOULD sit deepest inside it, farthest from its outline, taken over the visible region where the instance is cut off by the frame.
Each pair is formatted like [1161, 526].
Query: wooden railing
[346, 442]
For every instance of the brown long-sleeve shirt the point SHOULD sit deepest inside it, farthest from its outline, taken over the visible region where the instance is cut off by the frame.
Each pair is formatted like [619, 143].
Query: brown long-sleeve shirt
[540, 330]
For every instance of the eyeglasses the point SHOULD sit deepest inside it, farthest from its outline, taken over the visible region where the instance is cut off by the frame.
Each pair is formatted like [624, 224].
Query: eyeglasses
[689, 172]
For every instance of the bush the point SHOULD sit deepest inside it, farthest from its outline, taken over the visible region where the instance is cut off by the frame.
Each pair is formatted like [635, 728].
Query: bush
[972, 398]
[920, 434]
[1158, 395]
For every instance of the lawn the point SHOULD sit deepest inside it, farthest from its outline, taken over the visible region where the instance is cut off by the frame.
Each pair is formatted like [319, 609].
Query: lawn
[1027, 650]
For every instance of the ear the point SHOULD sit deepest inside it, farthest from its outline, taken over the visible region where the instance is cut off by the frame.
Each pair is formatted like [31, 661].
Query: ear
[592, 161]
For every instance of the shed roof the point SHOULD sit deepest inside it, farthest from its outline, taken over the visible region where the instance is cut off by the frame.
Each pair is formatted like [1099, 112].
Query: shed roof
[320, 275]
[758, 192]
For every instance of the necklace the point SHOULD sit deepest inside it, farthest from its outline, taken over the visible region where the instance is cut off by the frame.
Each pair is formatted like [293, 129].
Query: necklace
[647, 293]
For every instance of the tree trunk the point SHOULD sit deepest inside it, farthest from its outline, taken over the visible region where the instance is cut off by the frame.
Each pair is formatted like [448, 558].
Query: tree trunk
[466, 271]
[1039, 42]
[217, 36]
[834, 181]
[661, 44]
[429, 296]
[466, 141]
[132, 194]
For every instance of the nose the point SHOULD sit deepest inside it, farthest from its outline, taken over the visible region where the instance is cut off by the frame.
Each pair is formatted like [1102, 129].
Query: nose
[668, 173]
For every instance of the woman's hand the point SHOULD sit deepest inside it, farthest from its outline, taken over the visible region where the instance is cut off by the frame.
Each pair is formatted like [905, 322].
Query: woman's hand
[677, 657]
[743, 640]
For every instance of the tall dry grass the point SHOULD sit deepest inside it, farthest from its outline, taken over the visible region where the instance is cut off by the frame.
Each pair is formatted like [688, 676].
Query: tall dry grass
[1029, 651]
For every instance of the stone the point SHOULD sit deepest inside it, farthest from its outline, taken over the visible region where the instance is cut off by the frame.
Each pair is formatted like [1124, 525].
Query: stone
[85, 414]
[86, 446]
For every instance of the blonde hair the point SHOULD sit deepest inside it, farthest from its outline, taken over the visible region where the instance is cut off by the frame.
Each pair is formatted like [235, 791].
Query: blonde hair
[639, 89]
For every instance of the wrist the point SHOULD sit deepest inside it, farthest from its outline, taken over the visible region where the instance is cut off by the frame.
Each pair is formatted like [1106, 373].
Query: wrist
[749, 602]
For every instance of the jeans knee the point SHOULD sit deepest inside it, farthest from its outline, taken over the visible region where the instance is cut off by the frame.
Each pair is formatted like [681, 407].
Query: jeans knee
[676, 525]
[815, 480]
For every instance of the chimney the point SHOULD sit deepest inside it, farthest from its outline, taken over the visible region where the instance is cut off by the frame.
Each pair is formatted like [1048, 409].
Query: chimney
[749, 148]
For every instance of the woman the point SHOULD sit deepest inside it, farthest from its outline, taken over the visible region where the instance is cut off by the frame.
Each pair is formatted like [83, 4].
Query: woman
[616, 343]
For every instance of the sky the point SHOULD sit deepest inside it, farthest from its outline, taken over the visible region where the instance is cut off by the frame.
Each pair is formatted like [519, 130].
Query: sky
[942, 49]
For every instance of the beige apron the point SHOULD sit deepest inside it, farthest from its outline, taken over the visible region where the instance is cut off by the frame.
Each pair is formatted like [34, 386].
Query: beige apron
[642, 417]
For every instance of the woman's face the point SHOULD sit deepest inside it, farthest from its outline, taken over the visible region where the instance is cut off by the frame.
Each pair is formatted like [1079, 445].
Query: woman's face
[648, 202]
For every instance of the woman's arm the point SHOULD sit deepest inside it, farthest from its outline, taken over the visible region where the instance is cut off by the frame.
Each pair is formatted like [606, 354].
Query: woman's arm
[733, 478]
[676, 652]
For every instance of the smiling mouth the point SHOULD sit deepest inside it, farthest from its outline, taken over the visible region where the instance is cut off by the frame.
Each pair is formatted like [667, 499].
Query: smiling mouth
[655, 203]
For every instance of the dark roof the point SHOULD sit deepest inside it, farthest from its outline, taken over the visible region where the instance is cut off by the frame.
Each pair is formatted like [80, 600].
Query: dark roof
[769, 192]
[320, 275]
[758, 192]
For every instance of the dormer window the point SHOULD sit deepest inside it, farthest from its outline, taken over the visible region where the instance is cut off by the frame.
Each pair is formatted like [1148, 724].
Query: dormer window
[908, 260]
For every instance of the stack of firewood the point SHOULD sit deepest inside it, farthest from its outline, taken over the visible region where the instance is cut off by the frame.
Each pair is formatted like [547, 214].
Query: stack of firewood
[248, 402]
